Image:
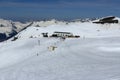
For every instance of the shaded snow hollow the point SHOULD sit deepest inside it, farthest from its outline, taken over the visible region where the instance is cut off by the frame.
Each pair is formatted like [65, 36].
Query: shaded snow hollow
[93, 56]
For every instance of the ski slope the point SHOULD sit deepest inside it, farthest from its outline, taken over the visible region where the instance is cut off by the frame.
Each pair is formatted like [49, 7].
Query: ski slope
[87, 29]
[93, 56]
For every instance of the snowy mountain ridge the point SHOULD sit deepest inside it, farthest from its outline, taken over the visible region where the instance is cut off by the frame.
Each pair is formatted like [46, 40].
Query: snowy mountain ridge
[9, 28]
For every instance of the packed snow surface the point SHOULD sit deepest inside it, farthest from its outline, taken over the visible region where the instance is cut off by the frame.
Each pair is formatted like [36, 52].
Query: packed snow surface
[93, 56]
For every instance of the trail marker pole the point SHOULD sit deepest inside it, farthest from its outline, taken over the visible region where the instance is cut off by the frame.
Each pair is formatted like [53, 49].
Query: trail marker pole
[39, 42]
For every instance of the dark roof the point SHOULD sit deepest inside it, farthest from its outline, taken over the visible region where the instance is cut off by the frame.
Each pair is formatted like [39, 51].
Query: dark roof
[63, 32]
[107, 20]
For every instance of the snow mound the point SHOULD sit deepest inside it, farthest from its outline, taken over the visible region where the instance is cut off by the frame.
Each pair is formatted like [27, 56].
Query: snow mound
[47, 23]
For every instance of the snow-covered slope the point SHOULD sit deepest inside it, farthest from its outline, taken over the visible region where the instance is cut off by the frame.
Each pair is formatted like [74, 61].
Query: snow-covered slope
[87, 29]
[73, 59]
[93, 56]
[9, 28]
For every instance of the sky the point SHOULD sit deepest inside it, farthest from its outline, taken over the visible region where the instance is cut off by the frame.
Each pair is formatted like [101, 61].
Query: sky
[58, 9]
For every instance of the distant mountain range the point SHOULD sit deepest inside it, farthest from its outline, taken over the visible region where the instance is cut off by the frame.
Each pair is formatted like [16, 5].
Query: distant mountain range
[9, 28]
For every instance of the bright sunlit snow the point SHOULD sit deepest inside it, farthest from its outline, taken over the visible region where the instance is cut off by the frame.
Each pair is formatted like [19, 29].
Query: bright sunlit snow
[93, 56]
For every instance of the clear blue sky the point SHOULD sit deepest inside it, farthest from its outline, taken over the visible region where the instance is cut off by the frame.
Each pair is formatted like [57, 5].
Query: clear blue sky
[60, 9]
